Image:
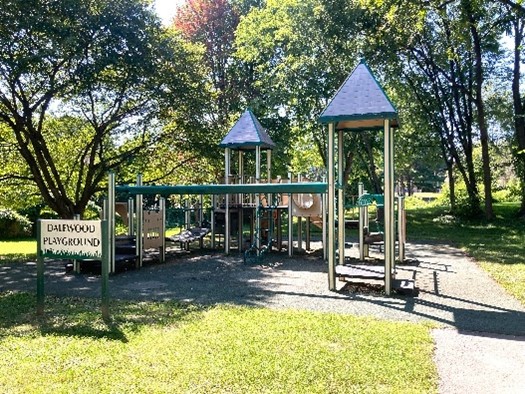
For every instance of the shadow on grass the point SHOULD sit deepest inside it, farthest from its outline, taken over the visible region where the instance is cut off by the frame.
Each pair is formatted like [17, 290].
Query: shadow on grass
[81, 317]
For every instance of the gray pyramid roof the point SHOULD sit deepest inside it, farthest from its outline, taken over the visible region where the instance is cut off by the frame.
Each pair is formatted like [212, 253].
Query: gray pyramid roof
[246, 134]
[360, 103]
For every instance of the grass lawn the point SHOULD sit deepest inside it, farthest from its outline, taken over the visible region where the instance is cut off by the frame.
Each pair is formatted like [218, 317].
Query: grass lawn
[17, 250]
[160, 347]
[498, 246]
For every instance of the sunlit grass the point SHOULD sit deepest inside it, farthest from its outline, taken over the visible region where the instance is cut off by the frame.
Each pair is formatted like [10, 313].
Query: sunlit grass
[17, 250]
[159, 347]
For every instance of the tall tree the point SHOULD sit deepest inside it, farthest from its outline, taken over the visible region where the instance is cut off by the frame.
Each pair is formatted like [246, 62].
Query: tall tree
[212, 24]
[450, 52]
[107, 62]
[516, 25]
[297, 48]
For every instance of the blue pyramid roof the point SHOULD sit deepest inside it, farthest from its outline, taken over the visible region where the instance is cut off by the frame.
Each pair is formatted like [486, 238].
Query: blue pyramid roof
[360, 103]
[246, 134]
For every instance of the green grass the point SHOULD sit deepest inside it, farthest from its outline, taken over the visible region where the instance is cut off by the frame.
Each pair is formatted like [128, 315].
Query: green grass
[159, 347]
[17, 250]
[498, 246]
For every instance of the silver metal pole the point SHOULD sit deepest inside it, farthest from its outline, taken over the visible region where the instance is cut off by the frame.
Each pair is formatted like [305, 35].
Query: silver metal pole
[290, 219]
[341, 198]
[162, 208]
[299, 233]
[201, 219]
[401, 229]
[131, 214]
[389, 206]
[323, 212]
[212, 214]
[139, 240]
[367, 225]
[331, 209]
[307, 233]
[269, 174]
[258, 199]
[227, 202]
[111, 220]
[299, 219]
[360, 192]
[187, 220]
[240, 197]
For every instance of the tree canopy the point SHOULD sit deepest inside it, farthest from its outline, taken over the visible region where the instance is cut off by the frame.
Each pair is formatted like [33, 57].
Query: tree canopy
[90, 86]
[86, 80]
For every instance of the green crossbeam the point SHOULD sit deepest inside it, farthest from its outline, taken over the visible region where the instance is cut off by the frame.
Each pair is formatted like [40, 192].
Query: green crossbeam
[306, 187]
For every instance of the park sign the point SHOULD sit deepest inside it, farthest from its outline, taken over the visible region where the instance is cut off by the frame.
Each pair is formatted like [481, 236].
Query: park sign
[70, 239]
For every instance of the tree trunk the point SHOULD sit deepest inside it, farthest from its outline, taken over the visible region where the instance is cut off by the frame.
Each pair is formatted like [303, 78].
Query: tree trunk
[519, 110]
[451, 186]
[480, 106]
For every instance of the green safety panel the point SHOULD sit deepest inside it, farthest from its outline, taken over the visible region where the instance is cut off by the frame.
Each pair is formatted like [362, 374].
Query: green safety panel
[367, 199]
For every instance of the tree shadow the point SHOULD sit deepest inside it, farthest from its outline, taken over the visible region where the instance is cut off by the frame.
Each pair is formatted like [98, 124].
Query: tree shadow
[81, 317]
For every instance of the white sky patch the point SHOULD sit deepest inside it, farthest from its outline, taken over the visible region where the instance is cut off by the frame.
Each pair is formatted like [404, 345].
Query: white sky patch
[166, 9]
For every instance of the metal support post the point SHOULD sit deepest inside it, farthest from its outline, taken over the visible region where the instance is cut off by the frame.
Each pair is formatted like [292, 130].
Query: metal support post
[401, 229]
[258, 200]
[389, 205]
[212, 214]
[360, 192]
[324, 212]
[162, 208]
[307, 233]
[131, 214]
[340, 198]
[227, 202]
[139, 240]
[111, 220]
[331, 209]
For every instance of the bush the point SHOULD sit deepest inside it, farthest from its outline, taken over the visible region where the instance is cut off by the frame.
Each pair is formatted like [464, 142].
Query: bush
[14, 225]
[511, 193]
[414, 202]
[465, 207]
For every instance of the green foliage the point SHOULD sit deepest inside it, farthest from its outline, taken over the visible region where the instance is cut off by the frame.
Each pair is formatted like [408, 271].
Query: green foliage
[13, 225]
[465, 206]
[182, 348]
[415, 202]
[510, 193]
[85, 85]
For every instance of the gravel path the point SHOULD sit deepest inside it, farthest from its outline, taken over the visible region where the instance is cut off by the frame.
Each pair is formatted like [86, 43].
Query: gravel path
[480, 339]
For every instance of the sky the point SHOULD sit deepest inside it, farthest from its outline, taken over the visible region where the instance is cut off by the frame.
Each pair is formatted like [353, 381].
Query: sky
[166, 9]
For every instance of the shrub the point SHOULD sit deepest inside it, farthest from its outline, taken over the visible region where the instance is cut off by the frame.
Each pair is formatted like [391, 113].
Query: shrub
[414, 202]
[14, 225]
[511, 193]
[465, 207]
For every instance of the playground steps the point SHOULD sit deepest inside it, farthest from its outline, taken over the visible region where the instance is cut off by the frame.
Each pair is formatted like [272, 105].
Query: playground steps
[362, 271]
[375, 272]
[405, 286]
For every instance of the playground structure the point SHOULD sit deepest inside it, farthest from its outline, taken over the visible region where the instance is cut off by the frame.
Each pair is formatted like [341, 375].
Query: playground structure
[263, 203]
[359, 104]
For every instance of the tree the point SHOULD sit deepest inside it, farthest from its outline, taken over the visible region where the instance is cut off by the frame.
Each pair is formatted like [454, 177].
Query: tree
[516, 26]
[212, 24]
[108, 63]
[450, 52]
[296, 49]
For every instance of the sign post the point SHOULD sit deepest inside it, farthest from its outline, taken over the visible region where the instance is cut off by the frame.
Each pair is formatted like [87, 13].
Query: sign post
[72, 239]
